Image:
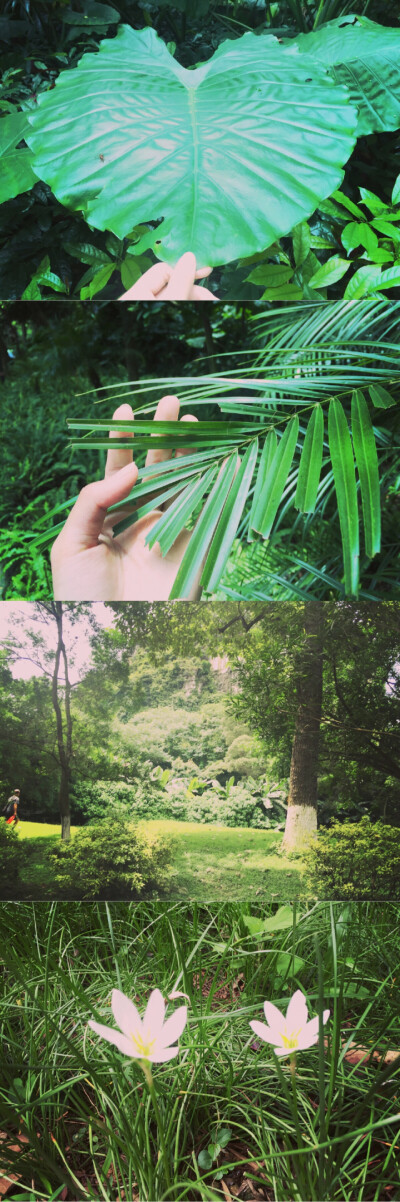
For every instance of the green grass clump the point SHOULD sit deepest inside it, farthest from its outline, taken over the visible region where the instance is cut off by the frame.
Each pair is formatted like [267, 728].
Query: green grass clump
[75, 1114]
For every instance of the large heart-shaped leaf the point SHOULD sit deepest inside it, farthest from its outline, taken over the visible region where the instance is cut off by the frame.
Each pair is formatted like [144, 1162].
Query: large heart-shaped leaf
[227, 156]
[366, 57]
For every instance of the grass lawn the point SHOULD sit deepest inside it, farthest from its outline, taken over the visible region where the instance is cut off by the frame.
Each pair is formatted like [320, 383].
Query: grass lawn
[218, 862]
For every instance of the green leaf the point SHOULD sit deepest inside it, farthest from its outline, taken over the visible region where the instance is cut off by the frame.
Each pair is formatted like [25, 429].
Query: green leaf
[174, 519]
[358, 233]
[227, 156]
[345, 201]
[302, 240]
[368, 471]
[94, 14]
[286, 963]
[345, 485]
[203, 531]
[281, 921]
[226, 530]
[16, 172]
[224, 1134]
[331, 271]
[272, 275]
[380, 397]
[365, 57]
[204, 1159]
[373, 202]
[270, 484]
[98, 282]
[396, 191]
[131, 270]
[310, 463]
[363, 282]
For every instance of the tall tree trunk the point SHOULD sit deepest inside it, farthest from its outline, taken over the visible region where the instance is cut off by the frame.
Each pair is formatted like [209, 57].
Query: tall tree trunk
[301, 819]
[64, 738]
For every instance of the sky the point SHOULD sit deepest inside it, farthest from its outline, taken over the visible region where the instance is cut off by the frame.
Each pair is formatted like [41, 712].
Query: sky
[20, 612]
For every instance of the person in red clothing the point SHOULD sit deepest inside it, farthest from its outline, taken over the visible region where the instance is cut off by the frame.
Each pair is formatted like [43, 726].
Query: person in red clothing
[11, 808]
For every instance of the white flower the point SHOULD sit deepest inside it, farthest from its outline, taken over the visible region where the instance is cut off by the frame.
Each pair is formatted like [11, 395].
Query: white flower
[293, 1033]
[147, 1038]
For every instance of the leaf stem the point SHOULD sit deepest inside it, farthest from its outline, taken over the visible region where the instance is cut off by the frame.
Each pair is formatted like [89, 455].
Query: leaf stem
[146, 1069]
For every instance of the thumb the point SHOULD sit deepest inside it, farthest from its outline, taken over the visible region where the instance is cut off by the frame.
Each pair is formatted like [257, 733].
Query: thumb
[86, 520]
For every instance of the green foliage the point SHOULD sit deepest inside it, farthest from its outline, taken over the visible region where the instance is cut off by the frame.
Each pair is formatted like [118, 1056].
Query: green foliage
[355, 860]
[285, 459]
[109, 859]
[13, 858]
[365, 57]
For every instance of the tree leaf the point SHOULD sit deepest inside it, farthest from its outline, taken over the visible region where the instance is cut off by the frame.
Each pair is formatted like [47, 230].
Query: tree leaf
[203, 531]
[221, 545]
[310, 462]
[330, 272]
[227, 156]
[396, 191]
[345, 485]
[363, 282]
[368, 471]
[366, 57]
[269, 492]
[98, 282]
[301, 238]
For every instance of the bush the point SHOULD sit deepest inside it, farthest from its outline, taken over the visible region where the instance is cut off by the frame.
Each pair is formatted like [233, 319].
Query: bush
[355, 860]
[13, 857]
[106, 861]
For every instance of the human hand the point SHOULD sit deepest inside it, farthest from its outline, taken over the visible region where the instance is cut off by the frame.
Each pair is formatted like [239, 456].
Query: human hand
[88, 564]
[162, 282]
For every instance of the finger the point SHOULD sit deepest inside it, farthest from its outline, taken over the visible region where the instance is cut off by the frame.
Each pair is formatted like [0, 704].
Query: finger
[187, 417]
[202, 294]
[167, 411]
[117, 459]
[150, 284]
[86, 520]
[182, 279]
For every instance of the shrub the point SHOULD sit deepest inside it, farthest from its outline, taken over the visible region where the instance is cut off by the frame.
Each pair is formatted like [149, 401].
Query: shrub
[106, 861]
[13, 856]
[355, 860]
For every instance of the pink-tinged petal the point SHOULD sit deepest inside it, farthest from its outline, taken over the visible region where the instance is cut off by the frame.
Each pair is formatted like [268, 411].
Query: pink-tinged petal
[121, 1041]
[307, 1040]
[311, 1029]
[173, 1027]
[284, 1051]
[172, 997]
[325, 1016]
[297, 1013]
[163, 1054]
[154, 1014]
[125, 1012]
[273, 1016]
[265, 1033]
